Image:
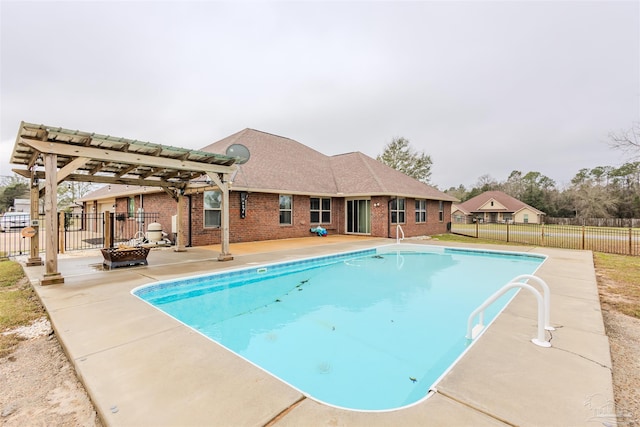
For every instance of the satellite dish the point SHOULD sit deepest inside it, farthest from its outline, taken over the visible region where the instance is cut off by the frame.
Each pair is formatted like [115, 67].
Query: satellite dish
[239, 152]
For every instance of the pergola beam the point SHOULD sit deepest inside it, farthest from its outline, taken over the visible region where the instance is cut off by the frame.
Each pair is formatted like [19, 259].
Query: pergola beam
[106, 155]
[71, 167]
[99, 179]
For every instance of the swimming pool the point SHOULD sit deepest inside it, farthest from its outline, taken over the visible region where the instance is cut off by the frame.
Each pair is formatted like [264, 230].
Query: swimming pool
[365, 330]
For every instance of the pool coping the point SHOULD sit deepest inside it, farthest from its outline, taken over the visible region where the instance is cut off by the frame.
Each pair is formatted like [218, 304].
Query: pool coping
[143, 368]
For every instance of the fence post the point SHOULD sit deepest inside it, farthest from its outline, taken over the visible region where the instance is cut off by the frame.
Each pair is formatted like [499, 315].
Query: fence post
[477, 235]
[108, 229]
[583, 237]
[61, 233]
[542, 235]
[630, 241]
[507, 232]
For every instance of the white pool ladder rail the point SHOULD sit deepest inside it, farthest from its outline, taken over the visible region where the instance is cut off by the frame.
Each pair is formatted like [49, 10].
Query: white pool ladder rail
[399, 231]
[544, 306]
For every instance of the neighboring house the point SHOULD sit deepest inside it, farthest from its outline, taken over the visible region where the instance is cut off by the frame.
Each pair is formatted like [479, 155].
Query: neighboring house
[495, 207]
[22, 205]
[287, 188]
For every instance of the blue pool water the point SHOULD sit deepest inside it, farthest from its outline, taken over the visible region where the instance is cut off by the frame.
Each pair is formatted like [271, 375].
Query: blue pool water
[367, 330]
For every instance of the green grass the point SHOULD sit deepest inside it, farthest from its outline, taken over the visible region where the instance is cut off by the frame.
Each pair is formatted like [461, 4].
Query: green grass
[449, 237]
[10, 273]
[19, 305]
[619, 282]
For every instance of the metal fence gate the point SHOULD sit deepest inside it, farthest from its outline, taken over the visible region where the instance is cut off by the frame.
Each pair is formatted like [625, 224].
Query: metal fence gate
[79, 231]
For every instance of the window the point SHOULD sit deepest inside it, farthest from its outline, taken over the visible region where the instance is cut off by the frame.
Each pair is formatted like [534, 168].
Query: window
[212, 212]
[421, 211]
[441, 211]
[397, 211]
[526, 218]
[286, 208]
[320, 210]
[131, 207]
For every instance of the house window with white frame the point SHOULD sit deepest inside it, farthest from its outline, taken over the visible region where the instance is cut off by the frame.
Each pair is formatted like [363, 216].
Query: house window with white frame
[212, 209]
[441, 211]
[131, 207]
[421, 210]
[397, 211]
[286, 209]
[320, 210]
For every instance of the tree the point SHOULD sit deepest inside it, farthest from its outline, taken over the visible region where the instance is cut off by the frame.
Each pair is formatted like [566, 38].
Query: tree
[627, 141]
[514, 185]
[69, 192]
[11, 192]
[399, 155]
[458, 192]
[13, 188]
[592, 201]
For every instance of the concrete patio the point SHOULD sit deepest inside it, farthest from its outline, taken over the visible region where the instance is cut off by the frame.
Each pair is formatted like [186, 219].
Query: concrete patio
[141, 367]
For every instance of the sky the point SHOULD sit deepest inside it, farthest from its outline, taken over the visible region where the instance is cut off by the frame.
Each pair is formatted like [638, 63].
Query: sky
[483, 87]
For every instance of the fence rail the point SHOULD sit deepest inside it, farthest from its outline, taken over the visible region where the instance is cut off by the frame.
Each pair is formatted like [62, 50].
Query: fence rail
[615, 240]
[595, 222]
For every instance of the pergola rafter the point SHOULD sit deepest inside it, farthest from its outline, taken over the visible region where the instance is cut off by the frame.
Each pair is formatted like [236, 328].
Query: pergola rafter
[54, 154]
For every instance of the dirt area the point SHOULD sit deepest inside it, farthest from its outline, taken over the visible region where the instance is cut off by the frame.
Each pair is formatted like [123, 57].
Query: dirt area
[624, 338]
[38, 385]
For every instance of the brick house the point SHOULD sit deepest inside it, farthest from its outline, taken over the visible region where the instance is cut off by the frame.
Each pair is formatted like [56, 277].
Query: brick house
[287, 188]
[495, 207]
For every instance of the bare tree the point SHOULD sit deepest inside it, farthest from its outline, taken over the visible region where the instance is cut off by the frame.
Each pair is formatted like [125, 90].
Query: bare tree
[627, 141]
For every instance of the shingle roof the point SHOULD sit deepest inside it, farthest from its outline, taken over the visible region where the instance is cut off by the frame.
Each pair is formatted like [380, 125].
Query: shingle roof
[510, 203]
[280, 164]
[283, 164]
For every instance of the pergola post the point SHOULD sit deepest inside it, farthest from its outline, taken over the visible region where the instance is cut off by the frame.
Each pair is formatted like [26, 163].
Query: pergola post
[51, 275]
[34, 244]
[225, 254]
[179, 246]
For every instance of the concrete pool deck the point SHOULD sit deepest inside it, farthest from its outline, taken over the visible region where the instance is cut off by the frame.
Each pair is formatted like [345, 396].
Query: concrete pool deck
[141, 367]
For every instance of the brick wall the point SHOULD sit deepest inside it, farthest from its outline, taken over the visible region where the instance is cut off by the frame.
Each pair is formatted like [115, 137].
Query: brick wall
[262, 219]
[153, 203]
[380, 226]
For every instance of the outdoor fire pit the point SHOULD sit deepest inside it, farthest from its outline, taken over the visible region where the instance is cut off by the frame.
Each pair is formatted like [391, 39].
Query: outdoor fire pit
[124, 256]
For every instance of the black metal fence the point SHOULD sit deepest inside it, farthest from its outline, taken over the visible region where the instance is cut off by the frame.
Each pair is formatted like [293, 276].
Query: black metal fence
[595, 222]
[615, 240]
[79, 231]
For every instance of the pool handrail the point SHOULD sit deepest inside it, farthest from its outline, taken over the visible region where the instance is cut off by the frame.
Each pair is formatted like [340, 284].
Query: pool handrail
[546, 296]
[399, 231]
[540, 340]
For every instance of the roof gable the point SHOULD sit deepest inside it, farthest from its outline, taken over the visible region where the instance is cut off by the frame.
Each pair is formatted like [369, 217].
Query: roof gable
[493, 205]
[278, 164]
[502, 203]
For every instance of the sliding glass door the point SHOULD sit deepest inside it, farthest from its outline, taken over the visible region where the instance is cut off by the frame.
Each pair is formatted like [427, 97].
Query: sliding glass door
[359, 216]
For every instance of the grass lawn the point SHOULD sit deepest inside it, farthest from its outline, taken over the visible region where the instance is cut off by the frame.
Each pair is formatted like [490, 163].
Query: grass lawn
[19, 305]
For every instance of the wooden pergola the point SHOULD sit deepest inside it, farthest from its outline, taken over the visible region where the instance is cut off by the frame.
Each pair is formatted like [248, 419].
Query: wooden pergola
[54, 155]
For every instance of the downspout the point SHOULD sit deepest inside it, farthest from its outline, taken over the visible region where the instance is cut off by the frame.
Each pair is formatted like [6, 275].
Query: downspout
[188, 243]
[389, 218]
